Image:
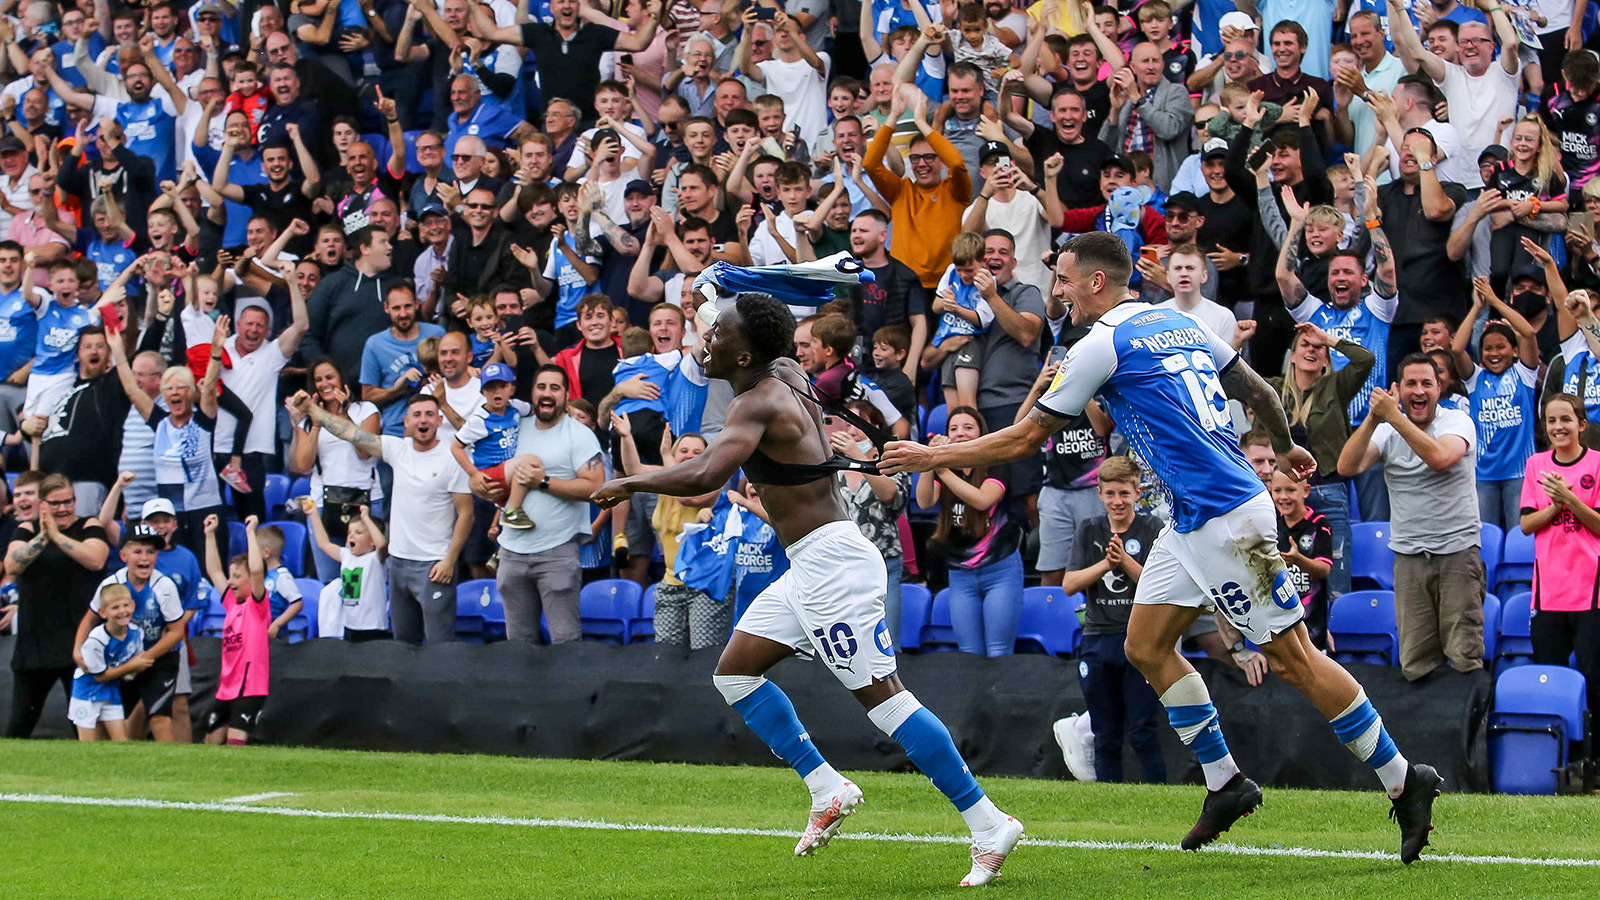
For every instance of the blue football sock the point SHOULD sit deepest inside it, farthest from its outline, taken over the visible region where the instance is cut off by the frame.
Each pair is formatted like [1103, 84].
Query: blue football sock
[927, 742]
[1194, 718]
[770, 714]
[1360, 728]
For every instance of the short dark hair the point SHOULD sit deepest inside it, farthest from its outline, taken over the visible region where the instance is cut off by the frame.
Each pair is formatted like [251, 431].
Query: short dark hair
[693, 223]
[965, 70]
[421, 398]
[1417, 359]
[743, 116]
[1582, 70]
[1104, 251]
[705, 173]
[1002, 233]
[835, 332]
[12, 246]
[1293, 28]
[767, 325]
[552, 367]
[876, 215]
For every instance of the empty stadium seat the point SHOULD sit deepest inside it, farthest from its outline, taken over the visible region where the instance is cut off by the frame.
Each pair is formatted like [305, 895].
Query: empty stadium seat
[212, 620]
[474, 602]
[294, 546]
[1490, 548]
[1514, 645]
[938, 417]
[1516, 564]
[914, 509]
[1538, 710]
[1363, 628]
[937, 633]
[275, 496]
[301, 487]
[1049, 622]
[606, 607]
[1371, 560]
[915, 601]
[643, 628]
[1491, 627]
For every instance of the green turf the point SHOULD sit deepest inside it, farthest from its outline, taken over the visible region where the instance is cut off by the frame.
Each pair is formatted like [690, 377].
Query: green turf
[57, 851]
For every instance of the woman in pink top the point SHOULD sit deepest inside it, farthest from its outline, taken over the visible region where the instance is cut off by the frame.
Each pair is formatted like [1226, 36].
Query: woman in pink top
[1560, 491]
[242, 687]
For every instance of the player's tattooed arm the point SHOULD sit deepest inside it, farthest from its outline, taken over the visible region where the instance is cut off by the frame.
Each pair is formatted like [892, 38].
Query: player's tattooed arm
[1242, 383]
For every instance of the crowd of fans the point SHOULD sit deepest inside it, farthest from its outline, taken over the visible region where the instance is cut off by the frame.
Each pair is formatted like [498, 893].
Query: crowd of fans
[437, 256]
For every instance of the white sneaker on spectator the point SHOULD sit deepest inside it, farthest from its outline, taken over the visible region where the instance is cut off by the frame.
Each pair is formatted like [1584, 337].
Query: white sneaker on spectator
[1078, 754]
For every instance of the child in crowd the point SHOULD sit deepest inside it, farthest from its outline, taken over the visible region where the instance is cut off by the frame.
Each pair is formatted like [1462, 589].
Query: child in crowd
[890, 344]
[1155, 24]
[486, 443]
[360, 612]
[1305, 541]
[56, 345]
[247, 94]
[1108, 557]
[964, 315]
[1437, 333]
[770, 115]
[282, 590]
[111, 652]
[487, 346]
[246, 660]
[980, 46]
[1503, 401]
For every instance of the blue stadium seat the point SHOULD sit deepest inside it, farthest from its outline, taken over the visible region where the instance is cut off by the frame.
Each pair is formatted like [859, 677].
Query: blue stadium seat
[642, 630]
[236, 543]
[474, 600]
[275, 496]
[1363, 628]
[310, 603]
[381, 148]
[938, 634]
[212, 620]
[1371, 560]
[412, 165]
[606, 607]
[1491, 627]
[1355, 503]
[938, 417]
[1049, 622]
[1516, 564]
[915, 601]
[1538, 710]
[1490, 548]
[1514, 645]
[294, 546]
[301, 487]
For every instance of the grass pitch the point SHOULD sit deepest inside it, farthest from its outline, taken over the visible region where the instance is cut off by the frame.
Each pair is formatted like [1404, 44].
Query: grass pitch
[75, 848]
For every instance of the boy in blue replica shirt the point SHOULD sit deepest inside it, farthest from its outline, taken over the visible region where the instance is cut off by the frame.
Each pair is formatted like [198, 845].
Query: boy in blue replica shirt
[110, 652]
[61, 317]
[487, 441]
[283, 592]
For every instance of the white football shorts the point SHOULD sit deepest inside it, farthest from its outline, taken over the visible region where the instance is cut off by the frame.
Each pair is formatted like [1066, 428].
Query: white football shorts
[1230, 563]
[88, 713]
[830, 602]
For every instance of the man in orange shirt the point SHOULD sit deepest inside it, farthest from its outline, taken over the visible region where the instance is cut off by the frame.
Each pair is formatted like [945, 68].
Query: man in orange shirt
[925, 208]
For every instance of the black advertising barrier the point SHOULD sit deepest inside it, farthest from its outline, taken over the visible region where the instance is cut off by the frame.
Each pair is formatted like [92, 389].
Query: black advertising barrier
[651, 702]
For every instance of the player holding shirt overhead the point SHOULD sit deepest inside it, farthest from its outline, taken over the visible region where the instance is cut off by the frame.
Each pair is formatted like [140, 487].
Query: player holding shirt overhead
[830, 602]
[1166, 379]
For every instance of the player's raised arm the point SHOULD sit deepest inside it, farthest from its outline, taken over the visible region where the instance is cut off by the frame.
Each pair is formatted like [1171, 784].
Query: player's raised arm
[705, 473]
[1009, 443]
[1244, 384]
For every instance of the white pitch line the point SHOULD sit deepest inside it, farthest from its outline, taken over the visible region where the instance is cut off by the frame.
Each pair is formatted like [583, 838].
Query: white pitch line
[256, 798]
[601, 825]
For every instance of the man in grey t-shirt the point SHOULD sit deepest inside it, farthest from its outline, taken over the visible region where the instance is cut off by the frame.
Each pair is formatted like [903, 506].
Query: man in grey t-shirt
[539, 567]
[1008, 356]
[1428, 460]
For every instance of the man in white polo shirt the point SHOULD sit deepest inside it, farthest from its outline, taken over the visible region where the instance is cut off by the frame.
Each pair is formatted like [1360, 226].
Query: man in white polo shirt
[430, 514]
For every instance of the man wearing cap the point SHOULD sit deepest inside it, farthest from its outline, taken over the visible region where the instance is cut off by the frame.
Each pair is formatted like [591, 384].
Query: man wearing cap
[1009, 200]
[1238, 62]
[619, 242]
[1149, 113]
[1184, 221]
[433, 230]
[1478, 89]
[15, 173]
[1354, 122]
[178, 563]
[1215, 22]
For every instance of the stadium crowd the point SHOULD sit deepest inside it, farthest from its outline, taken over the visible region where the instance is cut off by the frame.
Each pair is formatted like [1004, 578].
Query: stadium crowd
[438, 258]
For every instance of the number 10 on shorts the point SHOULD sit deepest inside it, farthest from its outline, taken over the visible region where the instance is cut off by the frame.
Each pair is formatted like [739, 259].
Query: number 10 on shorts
[837, 642]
